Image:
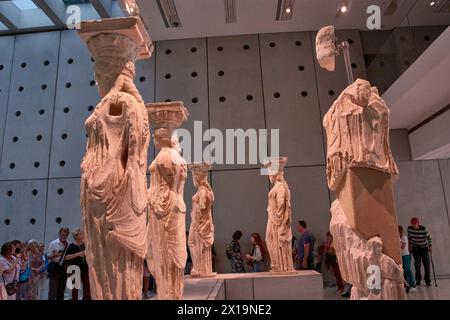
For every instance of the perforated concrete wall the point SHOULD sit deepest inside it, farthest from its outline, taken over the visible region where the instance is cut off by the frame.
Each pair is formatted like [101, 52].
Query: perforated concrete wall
[253, 81]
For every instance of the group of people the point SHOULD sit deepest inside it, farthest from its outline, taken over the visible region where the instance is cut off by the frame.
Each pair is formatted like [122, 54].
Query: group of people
[417, 241]
[22, 269]
[26, 269]
[302, 251]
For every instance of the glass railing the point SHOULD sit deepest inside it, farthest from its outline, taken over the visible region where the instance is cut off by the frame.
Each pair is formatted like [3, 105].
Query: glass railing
[389, 53]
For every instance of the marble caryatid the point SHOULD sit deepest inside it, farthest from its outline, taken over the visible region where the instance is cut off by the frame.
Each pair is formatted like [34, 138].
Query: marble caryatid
[358, 115]
[361, 168]
[201, 231]
[166, 256]
[278, 232]
[325, 48]
[113, 181]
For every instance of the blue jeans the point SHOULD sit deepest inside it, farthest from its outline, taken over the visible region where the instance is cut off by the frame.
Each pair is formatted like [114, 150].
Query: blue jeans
[258, 266]
[409, 277]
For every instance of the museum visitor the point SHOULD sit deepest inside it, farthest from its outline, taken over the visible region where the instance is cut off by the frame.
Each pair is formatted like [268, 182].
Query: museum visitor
[75, 256]
[233, 252]
[305, 247]
[256, 259]
[421, 243]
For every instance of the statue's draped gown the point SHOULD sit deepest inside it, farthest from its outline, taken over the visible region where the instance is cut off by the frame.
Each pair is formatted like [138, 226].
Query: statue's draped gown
[201, 232]
[167, 254]
[278, 232]
[113, 196]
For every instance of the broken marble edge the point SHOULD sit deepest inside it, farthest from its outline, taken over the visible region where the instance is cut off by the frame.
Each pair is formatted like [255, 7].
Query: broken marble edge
[173, 112]
[199, 167]
[173, 106]
[281, 161]
[131, 27]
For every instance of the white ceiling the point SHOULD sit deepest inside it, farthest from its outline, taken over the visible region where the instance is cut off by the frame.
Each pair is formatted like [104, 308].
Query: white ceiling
[206, 18]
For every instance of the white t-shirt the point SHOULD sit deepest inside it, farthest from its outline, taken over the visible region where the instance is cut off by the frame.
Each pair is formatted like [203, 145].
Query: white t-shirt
[257, 255]
[8, 277]
[404, 241]
[55, 247]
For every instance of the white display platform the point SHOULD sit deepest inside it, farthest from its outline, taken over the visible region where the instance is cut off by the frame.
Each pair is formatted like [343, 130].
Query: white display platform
[296, 285]
[204, 289]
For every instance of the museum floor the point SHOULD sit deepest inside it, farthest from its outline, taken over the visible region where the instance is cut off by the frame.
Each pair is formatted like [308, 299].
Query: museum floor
[442, 292]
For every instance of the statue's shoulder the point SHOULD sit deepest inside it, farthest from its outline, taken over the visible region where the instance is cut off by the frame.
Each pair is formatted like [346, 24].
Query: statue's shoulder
[281, 188]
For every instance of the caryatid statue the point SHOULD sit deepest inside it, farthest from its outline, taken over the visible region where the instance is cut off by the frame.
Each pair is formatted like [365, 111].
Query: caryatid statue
[113, 181]
[201, 231]
[278, 232]
[361, 168]
[166, 256]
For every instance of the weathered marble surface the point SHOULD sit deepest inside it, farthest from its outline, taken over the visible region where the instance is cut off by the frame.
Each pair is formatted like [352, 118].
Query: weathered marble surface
[356, 254]
[357, 128]
[278, 231]
[130, 27]
[201, 231]
[360, 168]
[166, 256]
[325, 48]
[113, 182]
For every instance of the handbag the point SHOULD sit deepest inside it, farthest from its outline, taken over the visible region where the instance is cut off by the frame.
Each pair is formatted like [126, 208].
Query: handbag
[11, 288]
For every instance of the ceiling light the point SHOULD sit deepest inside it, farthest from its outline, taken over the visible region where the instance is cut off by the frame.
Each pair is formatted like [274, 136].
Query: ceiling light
[432, 3]
[285, 10]
[344, 8]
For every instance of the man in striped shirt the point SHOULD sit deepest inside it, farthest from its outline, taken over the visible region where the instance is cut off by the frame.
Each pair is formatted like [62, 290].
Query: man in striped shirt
[420, 242]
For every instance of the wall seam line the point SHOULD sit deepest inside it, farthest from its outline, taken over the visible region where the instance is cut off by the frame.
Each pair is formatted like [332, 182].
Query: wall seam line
[263, 100]
[8, 95]
[51, 133]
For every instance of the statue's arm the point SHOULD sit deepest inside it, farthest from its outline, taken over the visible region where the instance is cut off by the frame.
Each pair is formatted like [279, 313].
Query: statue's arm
[203, 199]
[165, 168]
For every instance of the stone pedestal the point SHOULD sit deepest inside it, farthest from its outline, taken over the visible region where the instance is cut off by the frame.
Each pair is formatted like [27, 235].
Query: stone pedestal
[294, 285]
